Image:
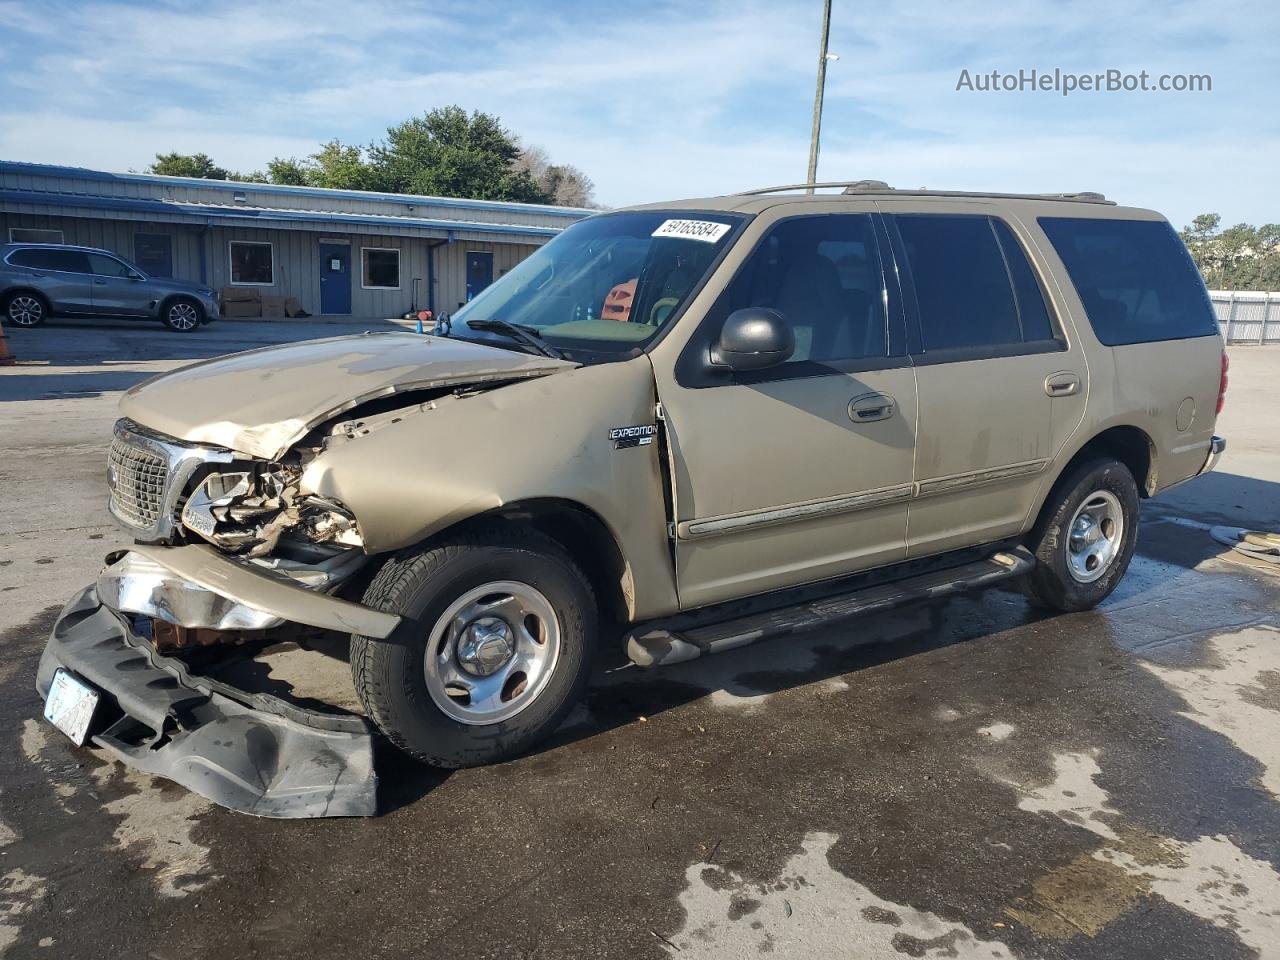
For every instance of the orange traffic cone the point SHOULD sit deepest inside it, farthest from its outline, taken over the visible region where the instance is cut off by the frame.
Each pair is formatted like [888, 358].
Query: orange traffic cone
[7, 359]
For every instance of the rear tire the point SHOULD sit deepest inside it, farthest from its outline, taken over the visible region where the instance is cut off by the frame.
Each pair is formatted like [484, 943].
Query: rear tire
[22, 308]
[1085, 538]
[183, 315]
[499, 634]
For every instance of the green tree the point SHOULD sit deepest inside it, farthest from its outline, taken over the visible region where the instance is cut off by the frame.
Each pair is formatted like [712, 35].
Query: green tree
[1239, 257]
[188, 165]
[292, 172]
[451, 153]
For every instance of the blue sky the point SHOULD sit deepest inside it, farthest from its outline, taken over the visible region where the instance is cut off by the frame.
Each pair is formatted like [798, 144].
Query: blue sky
[663, 99]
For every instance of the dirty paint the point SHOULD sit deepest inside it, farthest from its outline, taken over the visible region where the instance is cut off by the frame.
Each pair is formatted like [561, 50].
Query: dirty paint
[811, 910]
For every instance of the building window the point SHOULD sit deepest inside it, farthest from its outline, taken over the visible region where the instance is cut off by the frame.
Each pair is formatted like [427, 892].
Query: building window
[31, 235]
[380, 268]
[252, 264]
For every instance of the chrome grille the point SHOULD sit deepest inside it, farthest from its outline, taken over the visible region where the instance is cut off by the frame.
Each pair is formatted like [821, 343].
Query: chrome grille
[137, 479]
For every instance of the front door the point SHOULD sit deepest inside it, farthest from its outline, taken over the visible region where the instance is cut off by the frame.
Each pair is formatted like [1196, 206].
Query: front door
[117, 288]
[153, 252]
[335, 278]
[995, 375]
[802, 471]
[479, 272]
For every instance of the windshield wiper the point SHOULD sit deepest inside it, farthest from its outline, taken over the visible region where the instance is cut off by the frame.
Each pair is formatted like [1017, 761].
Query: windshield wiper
[518, 331]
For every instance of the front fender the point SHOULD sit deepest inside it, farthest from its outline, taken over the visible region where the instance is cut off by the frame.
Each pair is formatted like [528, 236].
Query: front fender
[544, 438]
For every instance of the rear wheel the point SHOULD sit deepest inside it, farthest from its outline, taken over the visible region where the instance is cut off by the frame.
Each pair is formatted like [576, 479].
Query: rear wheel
[183, 315]
[1085, 538]
[495, 648]
[23, 309]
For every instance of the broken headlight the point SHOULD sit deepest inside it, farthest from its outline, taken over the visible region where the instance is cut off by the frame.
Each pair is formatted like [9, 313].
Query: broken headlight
[248, 511]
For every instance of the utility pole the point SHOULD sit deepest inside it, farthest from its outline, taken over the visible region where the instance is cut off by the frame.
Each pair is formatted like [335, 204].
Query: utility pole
[817, 97]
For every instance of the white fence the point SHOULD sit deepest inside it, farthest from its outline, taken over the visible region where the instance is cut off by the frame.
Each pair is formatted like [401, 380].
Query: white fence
[1247, 316]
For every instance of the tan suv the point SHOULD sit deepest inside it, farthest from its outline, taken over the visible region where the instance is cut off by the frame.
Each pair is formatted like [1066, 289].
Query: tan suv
[688, 426]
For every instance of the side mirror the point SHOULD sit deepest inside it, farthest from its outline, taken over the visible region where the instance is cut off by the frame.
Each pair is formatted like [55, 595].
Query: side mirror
[754, 338]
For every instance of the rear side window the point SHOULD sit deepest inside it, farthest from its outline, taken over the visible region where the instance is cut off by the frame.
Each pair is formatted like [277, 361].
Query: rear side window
[973, 285]
[1136, 280]
[71, 261]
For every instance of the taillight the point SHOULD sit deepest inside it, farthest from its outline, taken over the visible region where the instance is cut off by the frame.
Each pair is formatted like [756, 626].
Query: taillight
[1222, 383]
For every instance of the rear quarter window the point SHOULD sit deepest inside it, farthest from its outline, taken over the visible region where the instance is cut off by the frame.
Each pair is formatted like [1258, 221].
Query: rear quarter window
[1135, 278]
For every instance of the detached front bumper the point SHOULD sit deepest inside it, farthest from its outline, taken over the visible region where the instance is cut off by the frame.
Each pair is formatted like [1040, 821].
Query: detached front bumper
[247, 751]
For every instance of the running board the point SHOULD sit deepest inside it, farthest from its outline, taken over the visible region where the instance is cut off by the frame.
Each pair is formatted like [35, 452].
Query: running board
[653, 645]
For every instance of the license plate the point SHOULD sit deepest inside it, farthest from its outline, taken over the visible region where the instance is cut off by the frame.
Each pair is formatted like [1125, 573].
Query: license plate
[70, 706]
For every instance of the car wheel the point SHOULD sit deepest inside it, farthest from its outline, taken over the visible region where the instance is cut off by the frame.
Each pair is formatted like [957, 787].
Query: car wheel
[183, 315]
[23, 309]
[1085, 538]
[496, 647]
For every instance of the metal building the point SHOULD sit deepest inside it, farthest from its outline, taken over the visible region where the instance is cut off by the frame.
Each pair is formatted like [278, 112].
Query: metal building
[338, 252]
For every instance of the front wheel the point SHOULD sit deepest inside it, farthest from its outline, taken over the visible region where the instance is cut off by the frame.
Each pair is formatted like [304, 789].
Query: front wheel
[496, 647]
[1085, 538]
[183, 315]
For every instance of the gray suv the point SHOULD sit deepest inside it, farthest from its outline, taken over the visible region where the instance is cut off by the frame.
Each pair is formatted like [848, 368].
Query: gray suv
[43, 280]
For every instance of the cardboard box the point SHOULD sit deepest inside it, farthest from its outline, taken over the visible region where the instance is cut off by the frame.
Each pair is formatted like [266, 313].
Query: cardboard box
[241, 308]
[273, 306]
[241, 302]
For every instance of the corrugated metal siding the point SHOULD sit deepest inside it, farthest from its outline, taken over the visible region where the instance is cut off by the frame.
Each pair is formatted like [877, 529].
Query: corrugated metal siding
[296, 263]
[116, 236]
[451, 268]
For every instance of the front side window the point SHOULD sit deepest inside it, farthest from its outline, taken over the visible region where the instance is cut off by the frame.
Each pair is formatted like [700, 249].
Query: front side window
[104, 266]
[1135, 278]
[822, 273]
[607, 284]
[381, 268]
[251, 263]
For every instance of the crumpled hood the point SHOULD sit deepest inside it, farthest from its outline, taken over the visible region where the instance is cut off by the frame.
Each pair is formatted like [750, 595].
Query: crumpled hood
[263, 401]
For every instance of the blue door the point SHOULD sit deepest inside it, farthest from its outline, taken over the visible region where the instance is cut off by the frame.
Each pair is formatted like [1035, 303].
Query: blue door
[335, 278]
[153, 252]
[479, 272]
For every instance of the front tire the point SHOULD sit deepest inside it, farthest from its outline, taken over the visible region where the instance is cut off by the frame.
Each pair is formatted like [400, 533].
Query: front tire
[1085, 538]
[496, 647]
[24, 309]
[183, 315]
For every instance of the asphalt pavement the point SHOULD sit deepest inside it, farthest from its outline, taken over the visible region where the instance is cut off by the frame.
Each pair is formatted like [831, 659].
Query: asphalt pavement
[970, 778]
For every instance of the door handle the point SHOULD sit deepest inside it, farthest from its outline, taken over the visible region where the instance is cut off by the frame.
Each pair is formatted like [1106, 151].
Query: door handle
[1064, 383]
[99, 283]
[871, 407]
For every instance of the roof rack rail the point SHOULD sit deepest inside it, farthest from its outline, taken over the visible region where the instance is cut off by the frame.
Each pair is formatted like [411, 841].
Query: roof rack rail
[880, 187]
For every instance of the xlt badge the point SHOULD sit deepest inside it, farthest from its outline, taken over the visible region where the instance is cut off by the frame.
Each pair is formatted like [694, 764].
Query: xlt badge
[639, 436]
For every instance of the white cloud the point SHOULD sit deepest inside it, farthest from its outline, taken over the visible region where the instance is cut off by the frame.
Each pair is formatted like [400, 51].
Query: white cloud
[669, 99]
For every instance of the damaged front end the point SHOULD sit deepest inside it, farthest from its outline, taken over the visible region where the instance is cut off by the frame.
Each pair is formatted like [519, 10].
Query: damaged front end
[230, 554]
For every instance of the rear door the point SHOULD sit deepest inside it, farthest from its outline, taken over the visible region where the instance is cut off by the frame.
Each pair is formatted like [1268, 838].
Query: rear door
[799, 472]
[1000, 387]
[61, 275]
[118, 289]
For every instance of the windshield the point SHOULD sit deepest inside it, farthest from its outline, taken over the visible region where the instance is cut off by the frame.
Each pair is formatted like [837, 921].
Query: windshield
[608, 284]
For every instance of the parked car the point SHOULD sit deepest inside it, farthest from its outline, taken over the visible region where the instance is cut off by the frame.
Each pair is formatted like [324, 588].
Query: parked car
[687, 427]
[40, 280]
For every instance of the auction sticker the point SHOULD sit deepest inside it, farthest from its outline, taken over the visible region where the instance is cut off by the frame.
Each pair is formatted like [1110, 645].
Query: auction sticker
[708, 231]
